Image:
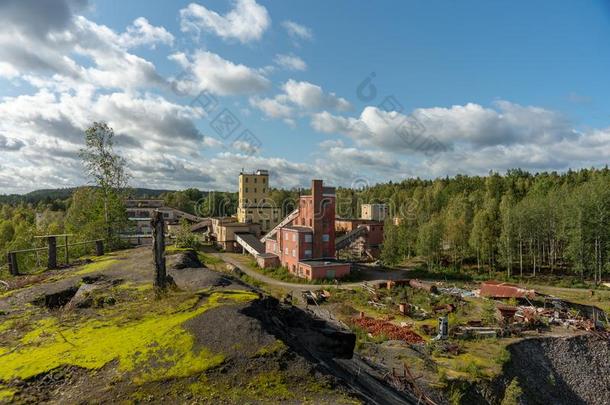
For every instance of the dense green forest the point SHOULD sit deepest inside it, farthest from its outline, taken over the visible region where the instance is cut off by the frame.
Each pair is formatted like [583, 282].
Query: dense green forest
[517, 222]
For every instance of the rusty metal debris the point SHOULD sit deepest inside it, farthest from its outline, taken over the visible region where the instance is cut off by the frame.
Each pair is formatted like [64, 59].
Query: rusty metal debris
[498, 289]
[379, 327]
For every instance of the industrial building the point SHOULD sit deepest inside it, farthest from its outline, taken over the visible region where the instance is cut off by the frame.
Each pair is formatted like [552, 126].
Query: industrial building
[363, 236]
[374, 212]
[254, 205]
[256, 214]
[139, 212]
[304, 242]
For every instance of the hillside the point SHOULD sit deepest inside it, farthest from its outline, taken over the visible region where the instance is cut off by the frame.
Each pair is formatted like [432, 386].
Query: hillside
[97, 331]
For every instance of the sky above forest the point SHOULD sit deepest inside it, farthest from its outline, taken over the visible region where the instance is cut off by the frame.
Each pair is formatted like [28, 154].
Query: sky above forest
[351, 92]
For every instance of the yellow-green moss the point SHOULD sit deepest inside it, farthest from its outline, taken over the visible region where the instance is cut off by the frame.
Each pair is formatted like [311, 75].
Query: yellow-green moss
[271, 349]
[153, 347]
[6, 394]
[136, 287]
[97, 265]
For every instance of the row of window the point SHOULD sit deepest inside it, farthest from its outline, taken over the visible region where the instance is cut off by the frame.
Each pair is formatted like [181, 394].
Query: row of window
[308, 237]
[294, 237]
[263, 190]
[307, 253]
[263, 180]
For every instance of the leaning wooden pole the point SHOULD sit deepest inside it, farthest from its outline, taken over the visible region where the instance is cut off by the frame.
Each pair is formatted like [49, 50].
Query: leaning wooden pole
[158, 229]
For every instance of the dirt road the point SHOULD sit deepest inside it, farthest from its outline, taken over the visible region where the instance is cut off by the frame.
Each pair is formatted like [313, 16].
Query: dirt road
[284, 284]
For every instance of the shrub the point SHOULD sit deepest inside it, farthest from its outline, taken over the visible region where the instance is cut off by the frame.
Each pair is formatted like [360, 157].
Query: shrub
[512, 394]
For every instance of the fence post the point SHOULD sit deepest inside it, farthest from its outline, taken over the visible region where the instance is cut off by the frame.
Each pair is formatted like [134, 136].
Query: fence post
[67, 253]
[158, 247]
[99, 247]
[13, 267]
[52, 263]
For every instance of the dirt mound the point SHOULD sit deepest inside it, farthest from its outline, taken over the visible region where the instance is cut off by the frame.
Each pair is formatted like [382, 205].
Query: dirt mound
[197, 279]
[572, 370]
[186, 260]
[562, 371]
[300, 330]
[226, 329]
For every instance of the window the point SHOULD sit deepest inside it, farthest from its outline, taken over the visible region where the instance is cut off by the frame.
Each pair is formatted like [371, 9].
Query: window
[307, 238]
[263, 180]
[255, 189]
[325, 238]
[246, 189]
[255, 179]
[255, 198]
[308, 254]
[286, 236]
[294, 237]
[286, 250]
[246, 179]
[294, 253]
[310, 223]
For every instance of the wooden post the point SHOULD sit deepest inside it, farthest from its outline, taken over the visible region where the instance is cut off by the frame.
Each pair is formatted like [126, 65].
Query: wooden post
[13, 267]
[99, 247]
[52, 262]
[158, 245]
[67, 254]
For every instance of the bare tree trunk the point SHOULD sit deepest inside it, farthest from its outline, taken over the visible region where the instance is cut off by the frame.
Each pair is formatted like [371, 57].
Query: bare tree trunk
[158, 228]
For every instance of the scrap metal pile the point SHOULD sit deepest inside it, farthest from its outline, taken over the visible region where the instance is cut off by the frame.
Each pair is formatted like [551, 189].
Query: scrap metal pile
[379, 327]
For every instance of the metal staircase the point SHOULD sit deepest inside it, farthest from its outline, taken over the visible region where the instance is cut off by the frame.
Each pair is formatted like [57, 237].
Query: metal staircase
[344, 241]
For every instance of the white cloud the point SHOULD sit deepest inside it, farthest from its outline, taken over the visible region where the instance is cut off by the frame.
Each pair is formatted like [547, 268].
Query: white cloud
[299, 98]
[297, 31]
[272, 107]
[290, 62]
[470, 124]
[246, 22]
[141, 32]
[208, 71]
[48, 57]
[312, 97]
[8, 71]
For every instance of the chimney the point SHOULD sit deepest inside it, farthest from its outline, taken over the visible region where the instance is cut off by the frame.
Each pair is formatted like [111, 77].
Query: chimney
[317, 193]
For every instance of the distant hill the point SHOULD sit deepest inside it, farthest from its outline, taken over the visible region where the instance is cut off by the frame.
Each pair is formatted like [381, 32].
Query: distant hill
[64, 193]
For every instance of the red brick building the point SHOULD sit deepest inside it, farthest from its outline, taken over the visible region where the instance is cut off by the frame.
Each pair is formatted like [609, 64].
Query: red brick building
[306, 244]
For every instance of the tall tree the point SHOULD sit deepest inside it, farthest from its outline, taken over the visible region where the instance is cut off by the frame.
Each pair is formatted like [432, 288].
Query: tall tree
[106, 169]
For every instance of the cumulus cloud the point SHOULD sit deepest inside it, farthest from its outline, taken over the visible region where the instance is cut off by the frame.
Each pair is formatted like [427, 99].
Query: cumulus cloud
[209, 71]
[45, 49]
[141, 32]
[246, 22]
[299, 98]
[297, 31]
[290, 62]
[470, 124]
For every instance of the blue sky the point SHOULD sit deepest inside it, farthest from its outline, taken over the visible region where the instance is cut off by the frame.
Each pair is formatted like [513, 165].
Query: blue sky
[490, 85]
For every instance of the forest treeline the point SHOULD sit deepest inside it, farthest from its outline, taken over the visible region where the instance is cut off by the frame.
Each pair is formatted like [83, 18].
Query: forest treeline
[518, 222]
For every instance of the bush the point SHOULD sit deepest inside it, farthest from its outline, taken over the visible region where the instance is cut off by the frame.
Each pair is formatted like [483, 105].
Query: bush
[512, 394]
[185, 238]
